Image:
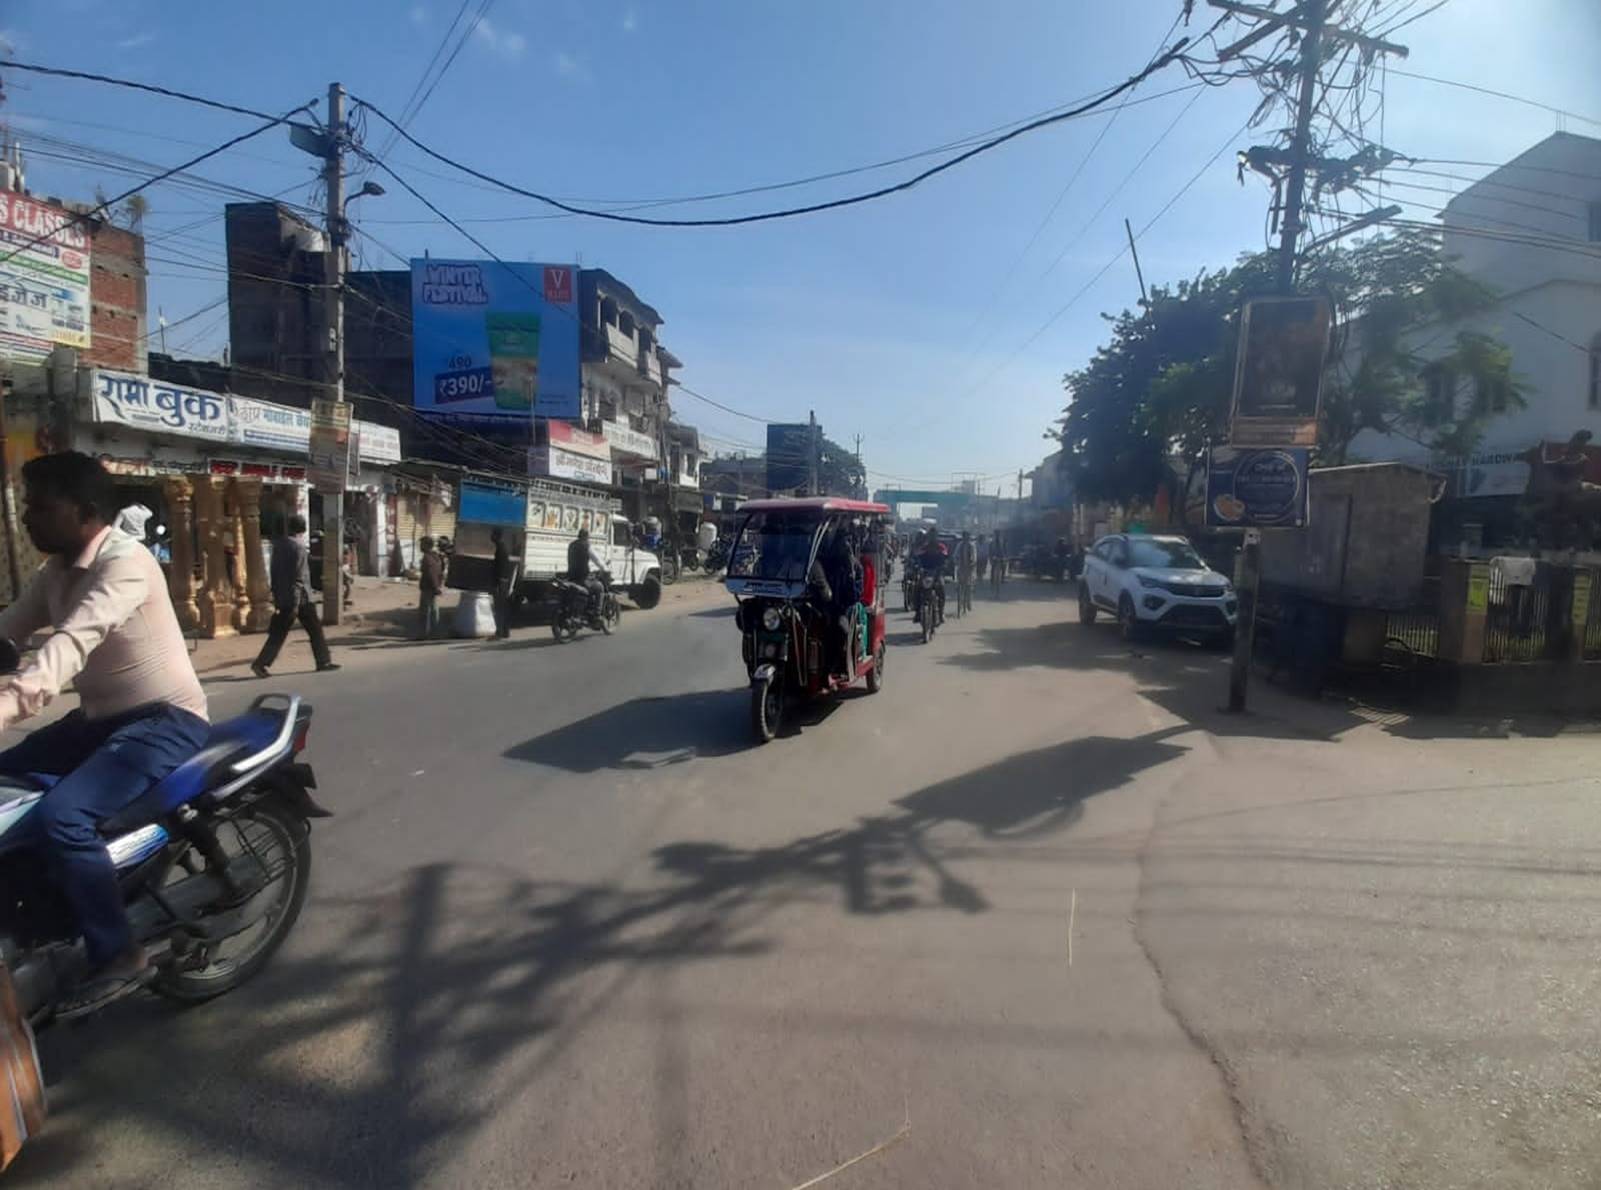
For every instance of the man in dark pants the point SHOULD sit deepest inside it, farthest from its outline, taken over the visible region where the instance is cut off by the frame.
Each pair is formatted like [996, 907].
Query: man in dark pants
[291, 595]
[111, 630]
[501, 577]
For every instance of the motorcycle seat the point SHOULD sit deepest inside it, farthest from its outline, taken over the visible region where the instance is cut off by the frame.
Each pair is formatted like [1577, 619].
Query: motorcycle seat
[228, 742]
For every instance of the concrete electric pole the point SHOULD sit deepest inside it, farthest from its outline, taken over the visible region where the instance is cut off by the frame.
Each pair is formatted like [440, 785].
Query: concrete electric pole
[333, 505]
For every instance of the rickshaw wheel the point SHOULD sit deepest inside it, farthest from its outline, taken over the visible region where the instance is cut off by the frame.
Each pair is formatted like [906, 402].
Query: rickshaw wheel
[875, 676]
[766, 709]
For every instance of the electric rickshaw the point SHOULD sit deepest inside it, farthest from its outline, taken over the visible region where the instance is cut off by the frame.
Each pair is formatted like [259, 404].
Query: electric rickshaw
[811, 619]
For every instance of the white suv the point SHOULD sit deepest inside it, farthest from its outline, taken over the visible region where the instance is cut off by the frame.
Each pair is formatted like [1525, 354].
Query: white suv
[1155, 583]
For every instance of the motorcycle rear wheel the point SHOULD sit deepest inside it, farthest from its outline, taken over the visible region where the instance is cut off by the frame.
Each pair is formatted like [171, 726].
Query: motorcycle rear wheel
[261, 827]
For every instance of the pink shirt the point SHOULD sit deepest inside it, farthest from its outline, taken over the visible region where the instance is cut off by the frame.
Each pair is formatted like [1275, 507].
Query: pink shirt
[112, 627]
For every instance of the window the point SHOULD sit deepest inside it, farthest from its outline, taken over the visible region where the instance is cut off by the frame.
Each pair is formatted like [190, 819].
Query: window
[1165, 554]
[1595, 372]
[1439, 394]
[1492, 397]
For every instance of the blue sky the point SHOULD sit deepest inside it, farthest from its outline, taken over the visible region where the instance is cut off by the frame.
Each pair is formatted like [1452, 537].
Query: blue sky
[919, 322]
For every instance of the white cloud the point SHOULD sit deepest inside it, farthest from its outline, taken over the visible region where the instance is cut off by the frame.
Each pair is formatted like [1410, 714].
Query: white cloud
[630, 20]
[137, 40]
[9, 40]
[569, 67]
[503, 42]
[419, 14]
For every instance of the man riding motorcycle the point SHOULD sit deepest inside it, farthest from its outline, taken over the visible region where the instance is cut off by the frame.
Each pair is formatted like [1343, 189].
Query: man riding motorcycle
[112, 630]
[583, 568]
[931, 556]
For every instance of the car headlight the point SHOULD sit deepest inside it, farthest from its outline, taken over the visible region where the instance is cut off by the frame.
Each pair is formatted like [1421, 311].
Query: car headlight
[1147, 581]
[772, 618]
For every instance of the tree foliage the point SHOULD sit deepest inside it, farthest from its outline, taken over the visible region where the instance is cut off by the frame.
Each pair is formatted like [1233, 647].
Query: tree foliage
[1159, 389]
[840, 471]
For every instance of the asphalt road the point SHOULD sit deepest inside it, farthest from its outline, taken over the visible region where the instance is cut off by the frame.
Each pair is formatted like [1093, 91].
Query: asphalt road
[1038, 914]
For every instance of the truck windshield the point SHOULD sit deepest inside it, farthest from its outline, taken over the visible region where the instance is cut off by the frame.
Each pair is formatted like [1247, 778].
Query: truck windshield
[1168, 555]
[775, 545]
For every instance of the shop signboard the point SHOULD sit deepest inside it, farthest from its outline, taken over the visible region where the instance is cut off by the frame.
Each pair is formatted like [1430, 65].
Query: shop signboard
[270, 426]
[330, 446]
[44, 278]
[493, 339]
[156, 407]
[560, 463]
[1257, 487]
[1278, 375]
[378, 444]
[626, 440]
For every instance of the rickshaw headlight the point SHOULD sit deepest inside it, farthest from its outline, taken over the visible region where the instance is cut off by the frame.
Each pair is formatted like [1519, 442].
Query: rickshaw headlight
[772, 618]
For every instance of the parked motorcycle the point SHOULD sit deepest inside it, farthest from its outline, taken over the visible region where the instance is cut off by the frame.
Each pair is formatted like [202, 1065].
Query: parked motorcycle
[717, 556]
[571, 614]
[214, 863]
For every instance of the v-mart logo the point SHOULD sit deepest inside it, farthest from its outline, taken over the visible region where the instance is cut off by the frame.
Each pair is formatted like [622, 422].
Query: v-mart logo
[558, 285]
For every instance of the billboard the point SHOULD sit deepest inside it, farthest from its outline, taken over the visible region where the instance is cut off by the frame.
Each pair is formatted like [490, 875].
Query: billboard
[1264, 488]
[1278, 375]
[494, 340]
[791, 450]
[571, 453]
[44, 286]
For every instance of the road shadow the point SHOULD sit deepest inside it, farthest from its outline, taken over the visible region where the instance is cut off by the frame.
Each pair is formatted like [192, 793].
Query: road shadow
[452, 991]
[1185, 677]
[646, 733]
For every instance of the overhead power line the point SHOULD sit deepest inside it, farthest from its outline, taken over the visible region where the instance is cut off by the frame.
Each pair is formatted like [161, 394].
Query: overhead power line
[272, 122]
[792, 212]
[87, 76]
[1556, 111]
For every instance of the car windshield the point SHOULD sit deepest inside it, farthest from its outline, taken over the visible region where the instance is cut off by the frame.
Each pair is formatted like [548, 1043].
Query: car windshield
[773, 545]
[1165, 555]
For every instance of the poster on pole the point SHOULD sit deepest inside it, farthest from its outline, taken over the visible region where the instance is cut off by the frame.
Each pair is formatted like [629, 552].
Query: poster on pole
[1257, 488]
[329, 470]
[494, 339]
[44, 280]
[1278, 373]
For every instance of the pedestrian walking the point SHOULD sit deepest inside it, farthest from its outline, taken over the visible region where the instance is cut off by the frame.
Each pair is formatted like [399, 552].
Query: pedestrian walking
[430, 586]
[291, 595]
[502, 580]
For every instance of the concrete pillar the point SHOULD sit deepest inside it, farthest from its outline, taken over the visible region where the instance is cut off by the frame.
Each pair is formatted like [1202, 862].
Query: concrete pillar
[181, 580]
[1464, 606]
[235, 536]
[216, 609]
[258, 589]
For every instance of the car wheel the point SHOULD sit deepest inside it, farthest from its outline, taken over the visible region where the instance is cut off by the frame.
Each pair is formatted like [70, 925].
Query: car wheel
[1086, 608]
[1127, 621]
[649, 593]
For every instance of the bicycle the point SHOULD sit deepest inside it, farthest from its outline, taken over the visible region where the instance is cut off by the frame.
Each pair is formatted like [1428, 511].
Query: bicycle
[964, 595]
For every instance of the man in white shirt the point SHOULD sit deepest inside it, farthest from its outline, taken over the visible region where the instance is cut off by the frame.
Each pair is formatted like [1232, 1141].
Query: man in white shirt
[102, 599]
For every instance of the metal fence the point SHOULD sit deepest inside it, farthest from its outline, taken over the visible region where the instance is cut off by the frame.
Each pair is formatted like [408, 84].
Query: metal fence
[1592, 626]
[1518, 618]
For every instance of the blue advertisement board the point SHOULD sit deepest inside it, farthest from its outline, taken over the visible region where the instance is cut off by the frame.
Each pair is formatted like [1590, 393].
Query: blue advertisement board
[495, 340]
[488, 503]
[1257, 487]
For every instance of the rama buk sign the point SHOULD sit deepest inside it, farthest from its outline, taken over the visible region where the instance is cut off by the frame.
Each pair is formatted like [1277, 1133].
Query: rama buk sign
[156, 407]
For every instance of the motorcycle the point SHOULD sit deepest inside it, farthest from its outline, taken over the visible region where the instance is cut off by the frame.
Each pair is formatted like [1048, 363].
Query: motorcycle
[717, 556]
[930, 603]
[909, 586]
[572, 613]
[213, 862]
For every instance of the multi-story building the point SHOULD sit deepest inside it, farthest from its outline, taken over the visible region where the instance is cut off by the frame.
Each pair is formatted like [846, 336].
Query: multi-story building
[1531, 231]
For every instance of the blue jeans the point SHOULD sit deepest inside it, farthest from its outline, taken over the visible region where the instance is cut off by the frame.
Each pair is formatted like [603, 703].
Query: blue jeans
[104, 765]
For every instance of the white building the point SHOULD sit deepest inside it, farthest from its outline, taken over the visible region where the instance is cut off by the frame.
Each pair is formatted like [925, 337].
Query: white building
[1531, 231]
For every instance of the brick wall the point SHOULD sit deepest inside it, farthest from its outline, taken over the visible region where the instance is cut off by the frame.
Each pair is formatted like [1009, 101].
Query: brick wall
[117, 318]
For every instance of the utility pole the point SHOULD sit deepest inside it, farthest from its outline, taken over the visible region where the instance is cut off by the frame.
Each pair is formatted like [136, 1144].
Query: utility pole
[333, 506]
[1295, 189]
[1248, 575]
[814, 449]
[859, 466]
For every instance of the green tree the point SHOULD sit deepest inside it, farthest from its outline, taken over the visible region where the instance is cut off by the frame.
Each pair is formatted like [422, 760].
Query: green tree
[1159, 390]
[840, 471]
